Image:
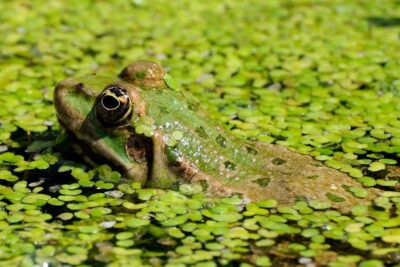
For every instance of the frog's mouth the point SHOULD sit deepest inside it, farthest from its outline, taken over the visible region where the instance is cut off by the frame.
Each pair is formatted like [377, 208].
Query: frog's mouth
[138, 148]
[87, 154]
[82, 149]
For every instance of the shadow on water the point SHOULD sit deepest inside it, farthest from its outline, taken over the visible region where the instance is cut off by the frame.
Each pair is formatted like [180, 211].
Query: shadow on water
[384, 21]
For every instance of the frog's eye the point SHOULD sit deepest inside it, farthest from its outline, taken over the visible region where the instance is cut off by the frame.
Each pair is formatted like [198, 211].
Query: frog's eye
[113, 106]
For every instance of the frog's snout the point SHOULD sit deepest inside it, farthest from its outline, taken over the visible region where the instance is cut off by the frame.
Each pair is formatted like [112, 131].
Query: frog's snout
[144, 74]
[67, 114]
[60, 92]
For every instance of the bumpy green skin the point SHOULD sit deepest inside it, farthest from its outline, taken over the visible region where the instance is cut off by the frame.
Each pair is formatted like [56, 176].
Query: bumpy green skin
[187, 146]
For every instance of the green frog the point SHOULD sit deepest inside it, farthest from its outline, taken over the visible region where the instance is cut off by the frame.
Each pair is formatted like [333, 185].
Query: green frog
[162, 137]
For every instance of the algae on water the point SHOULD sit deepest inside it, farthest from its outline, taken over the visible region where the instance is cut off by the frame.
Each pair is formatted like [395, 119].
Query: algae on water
[322, 78]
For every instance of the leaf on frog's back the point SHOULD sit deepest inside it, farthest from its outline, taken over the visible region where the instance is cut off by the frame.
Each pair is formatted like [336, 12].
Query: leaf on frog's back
[334, 198]
[171, 82]
[278, 161]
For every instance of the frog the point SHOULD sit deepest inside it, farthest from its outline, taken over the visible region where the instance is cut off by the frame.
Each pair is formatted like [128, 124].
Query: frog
[161, 137]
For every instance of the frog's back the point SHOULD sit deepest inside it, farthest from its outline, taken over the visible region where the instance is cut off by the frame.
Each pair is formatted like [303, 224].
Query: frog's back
[201, 139]
[230, 165]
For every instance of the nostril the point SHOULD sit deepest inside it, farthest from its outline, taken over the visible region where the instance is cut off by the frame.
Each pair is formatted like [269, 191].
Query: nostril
[109, 102]
[80, 87]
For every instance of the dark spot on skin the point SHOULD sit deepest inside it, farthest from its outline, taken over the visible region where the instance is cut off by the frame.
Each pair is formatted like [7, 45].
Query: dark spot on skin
[221, 141]
[263, 182]
[80, 87]
[346, 188]
[278, 161]
[200, 130]
[138, 147]
[317, 165]
[229, 165]
[251, 150]
[313, 177]
[140, 74]
[163, 110]
[334, 198]
[193, 106]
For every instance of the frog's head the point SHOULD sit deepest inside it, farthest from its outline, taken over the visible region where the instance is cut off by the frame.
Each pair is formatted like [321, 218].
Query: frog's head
[99, 112]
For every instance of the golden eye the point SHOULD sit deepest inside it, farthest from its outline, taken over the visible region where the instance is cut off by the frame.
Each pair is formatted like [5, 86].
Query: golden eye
[114, 106]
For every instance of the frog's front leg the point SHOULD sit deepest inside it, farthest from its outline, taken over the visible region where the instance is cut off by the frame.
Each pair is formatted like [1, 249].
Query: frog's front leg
[161, 174]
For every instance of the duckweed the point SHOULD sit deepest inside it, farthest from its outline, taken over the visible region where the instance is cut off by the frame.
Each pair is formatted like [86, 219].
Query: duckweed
[310, 75]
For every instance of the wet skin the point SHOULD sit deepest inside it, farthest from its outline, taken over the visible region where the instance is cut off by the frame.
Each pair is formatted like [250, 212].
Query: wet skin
[162, 137]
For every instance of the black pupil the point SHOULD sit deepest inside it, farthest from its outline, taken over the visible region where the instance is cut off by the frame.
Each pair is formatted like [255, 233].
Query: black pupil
[110, 102]
[113, 106]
